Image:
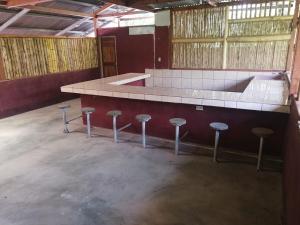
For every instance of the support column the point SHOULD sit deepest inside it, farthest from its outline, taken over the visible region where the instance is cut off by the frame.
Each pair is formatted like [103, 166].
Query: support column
[224, 65]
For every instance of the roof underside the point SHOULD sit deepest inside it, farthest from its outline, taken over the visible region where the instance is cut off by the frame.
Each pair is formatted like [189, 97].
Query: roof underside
[76, 17]
[73, 17]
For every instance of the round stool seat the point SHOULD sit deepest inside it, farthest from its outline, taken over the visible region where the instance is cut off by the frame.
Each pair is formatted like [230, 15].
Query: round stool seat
[66, 106]
[114, 113]
[88, 110]
[219, 126]
[177, 121]
[143, 117]
[262, 131]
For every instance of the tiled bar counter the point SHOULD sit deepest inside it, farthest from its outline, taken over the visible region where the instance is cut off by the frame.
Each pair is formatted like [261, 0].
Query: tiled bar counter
[241, 99]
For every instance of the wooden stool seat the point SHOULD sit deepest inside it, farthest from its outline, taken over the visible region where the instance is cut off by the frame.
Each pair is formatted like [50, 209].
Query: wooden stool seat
[262, 132]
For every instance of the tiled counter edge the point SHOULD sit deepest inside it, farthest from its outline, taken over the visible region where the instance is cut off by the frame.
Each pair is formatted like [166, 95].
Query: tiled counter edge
[107, 88]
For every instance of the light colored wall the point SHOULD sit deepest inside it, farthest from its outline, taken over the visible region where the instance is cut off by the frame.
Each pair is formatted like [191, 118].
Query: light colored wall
[162, 18]
[216, 80]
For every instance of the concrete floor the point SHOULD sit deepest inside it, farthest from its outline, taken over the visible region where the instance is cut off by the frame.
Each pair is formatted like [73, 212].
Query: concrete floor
[50, 178]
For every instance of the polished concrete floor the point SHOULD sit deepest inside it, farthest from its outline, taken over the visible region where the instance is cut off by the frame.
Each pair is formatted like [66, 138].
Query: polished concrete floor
[50, 178]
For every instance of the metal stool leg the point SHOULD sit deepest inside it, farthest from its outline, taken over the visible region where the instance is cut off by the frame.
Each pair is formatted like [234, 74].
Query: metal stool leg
[115, 129]
[144, 133]
[217, 137]
[88, 122]
[261, 143]
[66, 130]
[176, 140]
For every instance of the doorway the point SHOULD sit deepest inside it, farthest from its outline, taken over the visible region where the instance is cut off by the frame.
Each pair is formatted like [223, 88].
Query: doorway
[109, 56]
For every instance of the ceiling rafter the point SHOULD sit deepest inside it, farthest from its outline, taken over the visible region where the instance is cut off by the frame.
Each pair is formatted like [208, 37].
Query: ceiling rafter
[13, 19]
[85, 4]
[58, 11]
[72, 26]
[148, 4]
[103, 8]
[18, 3]
[142, 4]
[130, 12]
[77, 16]
[39, 15]
[26, 29]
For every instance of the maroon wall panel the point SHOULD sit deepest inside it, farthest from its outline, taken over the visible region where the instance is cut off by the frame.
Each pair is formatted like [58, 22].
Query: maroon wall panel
[162, 47]
[134, 52]
[291, 172]
[26, 94]
[240, 121]
[137, 83]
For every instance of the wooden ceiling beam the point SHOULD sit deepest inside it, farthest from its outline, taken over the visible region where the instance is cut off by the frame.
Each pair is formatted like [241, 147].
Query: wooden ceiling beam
[18, 3]
[103, 8]
[69, 12]
[72, 26]
[13, 19]
[141, 4]
[40, 30]
[120, 14]
[144, 4]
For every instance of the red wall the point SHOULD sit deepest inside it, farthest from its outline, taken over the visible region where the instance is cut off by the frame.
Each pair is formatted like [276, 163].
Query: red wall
[239, 135]
[134, 52]
[291, 172]
[26, 94]
[162, 47]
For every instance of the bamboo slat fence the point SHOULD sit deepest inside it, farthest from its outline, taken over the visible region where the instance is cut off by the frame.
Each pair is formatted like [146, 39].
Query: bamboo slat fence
[34, 56]
[246, 36]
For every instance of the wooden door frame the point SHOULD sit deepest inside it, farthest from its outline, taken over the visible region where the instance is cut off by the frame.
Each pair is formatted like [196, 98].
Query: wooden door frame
[116, 53]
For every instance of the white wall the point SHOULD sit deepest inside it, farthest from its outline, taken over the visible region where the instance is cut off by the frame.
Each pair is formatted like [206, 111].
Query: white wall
[162, 18]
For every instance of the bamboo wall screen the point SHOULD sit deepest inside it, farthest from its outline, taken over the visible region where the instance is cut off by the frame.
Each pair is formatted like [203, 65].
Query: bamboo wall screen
[33, 56]
[246, 36]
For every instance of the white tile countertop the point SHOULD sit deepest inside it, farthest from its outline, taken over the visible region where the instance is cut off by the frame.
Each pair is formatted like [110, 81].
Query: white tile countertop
[259, 95]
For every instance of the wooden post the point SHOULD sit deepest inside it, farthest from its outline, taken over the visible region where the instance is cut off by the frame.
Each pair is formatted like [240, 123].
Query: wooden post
[2, 72]
[291, 50]
[98, 44]
[224, 65]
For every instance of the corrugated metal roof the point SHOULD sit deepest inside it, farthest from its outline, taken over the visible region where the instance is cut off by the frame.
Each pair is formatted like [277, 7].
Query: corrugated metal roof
[175, 4]
[70, 5]
[47, 22]
[44, 22]
[38, 23]
[183, 3]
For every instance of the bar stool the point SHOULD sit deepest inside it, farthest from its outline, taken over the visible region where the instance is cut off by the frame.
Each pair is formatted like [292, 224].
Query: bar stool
[143, 118]
[114, 114]
[88, 111]
[218, 127]
[177, 122]
[64, 108]
[262, 133]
